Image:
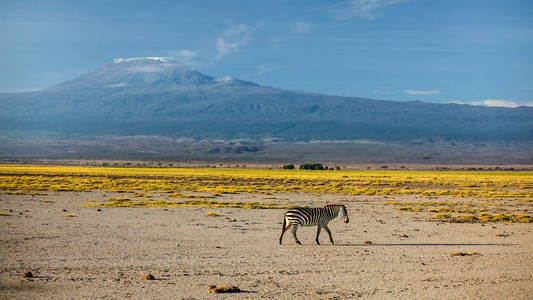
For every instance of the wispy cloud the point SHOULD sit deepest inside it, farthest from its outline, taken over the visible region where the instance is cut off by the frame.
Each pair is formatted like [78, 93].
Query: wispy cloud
[262, 70]
[301, 28]
[185, 56]
[22, 90]
[365, 9]
[234, 37]
[416, 92]
[496, 103]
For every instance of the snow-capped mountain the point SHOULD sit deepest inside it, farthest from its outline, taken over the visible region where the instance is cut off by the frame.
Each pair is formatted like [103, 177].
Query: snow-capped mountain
[157, 95]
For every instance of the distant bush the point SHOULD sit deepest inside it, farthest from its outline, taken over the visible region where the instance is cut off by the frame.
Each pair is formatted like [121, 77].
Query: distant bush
[311, 167]
[288, 167]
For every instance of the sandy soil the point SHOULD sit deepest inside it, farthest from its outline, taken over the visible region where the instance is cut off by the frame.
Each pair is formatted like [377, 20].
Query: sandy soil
[106, 254]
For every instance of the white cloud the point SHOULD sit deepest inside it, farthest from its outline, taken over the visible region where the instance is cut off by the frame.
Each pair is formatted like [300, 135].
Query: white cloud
[496, 103]
[224, 79]
[415, 92]
[116, 85]
[23, 90]
[366, 9]
[301, 28]
[185, 54]
[186, 57]
[501, 103]
[262, 70]
[234, 37]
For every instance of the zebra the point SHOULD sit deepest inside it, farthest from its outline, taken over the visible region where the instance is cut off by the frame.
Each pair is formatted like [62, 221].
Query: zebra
[305, 216]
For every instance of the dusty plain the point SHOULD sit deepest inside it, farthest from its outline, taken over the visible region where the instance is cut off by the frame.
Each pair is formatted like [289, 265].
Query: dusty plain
[386, 251]
[107, 253]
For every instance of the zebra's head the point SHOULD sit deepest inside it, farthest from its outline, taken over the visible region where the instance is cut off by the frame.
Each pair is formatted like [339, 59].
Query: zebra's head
[338, 208]
[345, 214]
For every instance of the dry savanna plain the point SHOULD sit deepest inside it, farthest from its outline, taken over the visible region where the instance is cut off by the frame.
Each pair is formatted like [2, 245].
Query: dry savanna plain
[170, 233]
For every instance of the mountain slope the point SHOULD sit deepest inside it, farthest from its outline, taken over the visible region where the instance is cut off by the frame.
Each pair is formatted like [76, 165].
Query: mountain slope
[161, 97]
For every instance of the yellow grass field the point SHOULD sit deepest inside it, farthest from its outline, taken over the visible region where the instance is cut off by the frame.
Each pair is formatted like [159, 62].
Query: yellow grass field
[486, 196]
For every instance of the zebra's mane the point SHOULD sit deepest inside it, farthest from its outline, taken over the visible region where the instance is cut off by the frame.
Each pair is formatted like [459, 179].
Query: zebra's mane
[334, 205]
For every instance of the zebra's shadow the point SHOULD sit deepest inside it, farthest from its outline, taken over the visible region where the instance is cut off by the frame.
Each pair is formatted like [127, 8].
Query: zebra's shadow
[422, 244]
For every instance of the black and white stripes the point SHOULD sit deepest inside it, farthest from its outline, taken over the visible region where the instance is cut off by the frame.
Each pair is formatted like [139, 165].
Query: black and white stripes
[318, 216]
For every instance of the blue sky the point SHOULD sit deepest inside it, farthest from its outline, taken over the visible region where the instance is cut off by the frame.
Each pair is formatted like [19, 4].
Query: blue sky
[467, 51]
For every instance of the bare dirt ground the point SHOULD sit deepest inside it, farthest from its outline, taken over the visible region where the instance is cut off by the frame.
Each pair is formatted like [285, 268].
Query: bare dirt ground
[107, 253]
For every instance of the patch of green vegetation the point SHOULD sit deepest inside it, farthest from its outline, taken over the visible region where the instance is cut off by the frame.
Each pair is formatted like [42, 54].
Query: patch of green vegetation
[465, 219]
[180, 196]
[17, 192]
[125, 202]
[484, 218]
[408, 208]
[441, 216]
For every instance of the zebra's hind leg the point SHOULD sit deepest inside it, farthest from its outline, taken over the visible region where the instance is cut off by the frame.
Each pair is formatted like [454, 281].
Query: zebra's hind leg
[318, 234]
[294, 228]
[329, 232]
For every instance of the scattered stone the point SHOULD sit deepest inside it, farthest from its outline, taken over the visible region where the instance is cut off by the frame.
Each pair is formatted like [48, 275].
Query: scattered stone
[27, 274]
[98, 209]
[465, 254]
[223, 289]
[367, 242]
[403, 235]
[149, 277]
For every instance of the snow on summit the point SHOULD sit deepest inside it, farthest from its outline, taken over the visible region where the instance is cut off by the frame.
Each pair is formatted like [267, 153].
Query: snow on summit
[153, 58]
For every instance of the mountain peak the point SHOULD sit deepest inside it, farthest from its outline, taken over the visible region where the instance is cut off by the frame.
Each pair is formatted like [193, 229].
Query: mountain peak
[140, 59]
[142, 74]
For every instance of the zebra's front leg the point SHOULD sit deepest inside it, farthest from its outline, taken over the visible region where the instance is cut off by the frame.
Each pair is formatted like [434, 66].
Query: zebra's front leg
[294, 228]
[318, 234]
[329, 232]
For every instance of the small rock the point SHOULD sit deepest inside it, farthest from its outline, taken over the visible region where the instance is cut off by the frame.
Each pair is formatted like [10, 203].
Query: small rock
[98, 209]
[27, 274]
[223, 289]
[465, 254]
[149, 277]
